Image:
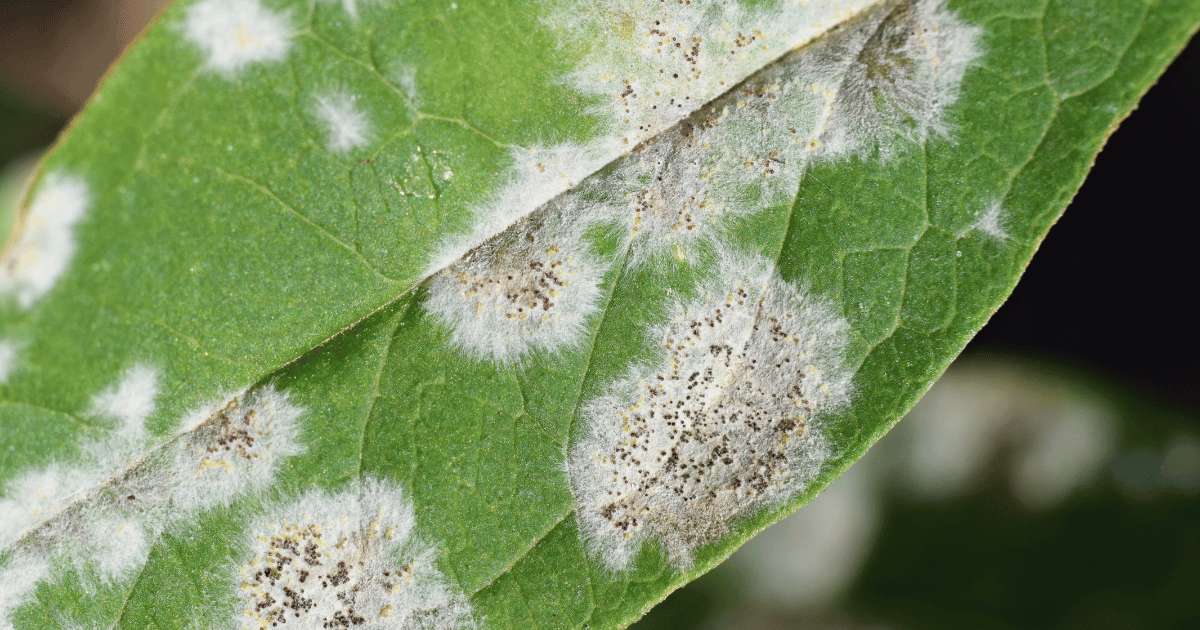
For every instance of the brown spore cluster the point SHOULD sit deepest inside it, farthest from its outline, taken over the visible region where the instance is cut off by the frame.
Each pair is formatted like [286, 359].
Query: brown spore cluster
[302, 574]
[332, 561]
[723, 424]
[231, 433]
[529, 288]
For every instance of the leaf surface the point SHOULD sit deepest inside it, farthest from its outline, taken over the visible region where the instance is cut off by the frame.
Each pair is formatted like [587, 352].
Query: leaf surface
[526, 315]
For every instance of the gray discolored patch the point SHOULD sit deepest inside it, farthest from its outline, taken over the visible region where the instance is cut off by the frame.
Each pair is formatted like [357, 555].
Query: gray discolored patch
[533, 287]
[726, 422]
[345, 560]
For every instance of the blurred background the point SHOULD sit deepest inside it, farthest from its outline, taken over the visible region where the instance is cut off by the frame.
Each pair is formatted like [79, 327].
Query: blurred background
[1051, 478]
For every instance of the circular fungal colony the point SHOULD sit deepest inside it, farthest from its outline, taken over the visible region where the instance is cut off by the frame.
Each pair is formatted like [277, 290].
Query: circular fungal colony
[532, 287]
[725, 422]
[345, 560]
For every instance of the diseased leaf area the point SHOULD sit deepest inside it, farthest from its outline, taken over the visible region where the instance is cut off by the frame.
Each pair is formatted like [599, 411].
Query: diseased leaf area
[508, 315]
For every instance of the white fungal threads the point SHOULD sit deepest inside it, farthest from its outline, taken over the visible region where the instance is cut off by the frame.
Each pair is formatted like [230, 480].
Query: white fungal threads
[112, 545]
[523, 280]
[59, 521]
[743, 153]
[891, 75]
[19, 577]
[102, 514]
[725, 423]
[131, 400]
[345, 560]
[237, 450]
[406, 78]
[886, 75]
[35, 497]
[533, 287]
[346, 126]
[659, 63]
[47, 241]
[655, 63]
[991, 222]
[236, 33]
[537, 175]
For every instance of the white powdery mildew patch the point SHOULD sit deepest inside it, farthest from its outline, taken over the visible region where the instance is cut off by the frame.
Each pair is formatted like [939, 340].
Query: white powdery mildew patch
[237, 449]
[35, 496]
[47, 514]
[536, 176]
[130, 401]
[725, 423]
[887, 74]
[884, 77]
[120, 543]
[102, 513]
[891, 75]
[406, 78]
[533, 287]
[743, 153]
[236, 33]
[657, 62]
[991, 222]
[345, 560]
[18, 579]
[47, 242]
[346, 126]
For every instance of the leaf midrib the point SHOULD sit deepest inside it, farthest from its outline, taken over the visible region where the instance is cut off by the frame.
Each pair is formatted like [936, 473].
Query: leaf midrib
[590, 177]
[791, 212]
[622, 261]
[141, 459]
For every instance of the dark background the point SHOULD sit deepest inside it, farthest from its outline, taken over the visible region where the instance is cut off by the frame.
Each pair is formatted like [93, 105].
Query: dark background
[1114, 285]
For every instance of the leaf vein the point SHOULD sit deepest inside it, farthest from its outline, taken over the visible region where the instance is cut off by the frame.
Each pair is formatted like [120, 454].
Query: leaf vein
[300, 215]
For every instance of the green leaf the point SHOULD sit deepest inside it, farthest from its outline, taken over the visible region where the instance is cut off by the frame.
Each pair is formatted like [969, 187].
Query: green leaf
[416, 314]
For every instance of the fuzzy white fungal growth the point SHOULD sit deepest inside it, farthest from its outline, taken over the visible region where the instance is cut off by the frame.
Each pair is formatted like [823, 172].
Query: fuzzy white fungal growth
[34, 497]
[991, 222]
[346, 126]
[102, 514]
[47, 242]
[657, 62]
[660, 62]
[236, 33]
[8, 358]
[406, 78]
[885, 75]
[537, 176]
[891, 75]
[532, 287]
[131, 400]
[237, 450]
[18, 579]
[725, 423]
[345, 560]
[120, 545]
[703, 140]
[741, 154]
